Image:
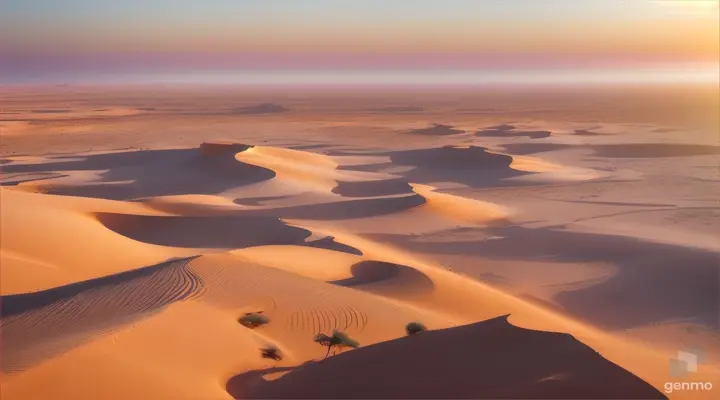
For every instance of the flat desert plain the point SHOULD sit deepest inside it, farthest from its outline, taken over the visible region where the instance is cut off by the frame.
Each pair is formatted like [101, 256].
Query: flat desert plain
[556, 243]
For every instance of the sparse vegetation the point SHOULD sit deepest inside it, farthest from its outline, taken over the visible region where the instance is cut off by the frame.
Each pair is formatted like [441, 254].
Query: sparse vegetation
[338, 340]
[271, 351]
[253, 320]
[413, 328]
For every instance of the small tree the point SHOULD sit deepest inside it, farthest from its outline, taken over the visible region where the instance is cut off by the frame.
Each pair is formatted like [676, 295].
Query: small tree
[338, 340]
[414, 328]
[271, 351]
[253, 320]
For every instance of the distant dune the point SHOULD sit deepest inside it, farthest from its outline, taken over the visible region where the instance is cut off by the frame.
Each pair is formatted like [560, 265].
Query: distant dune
[588, 132]
[373, 188]
[437, 130]
[397, 109]
[49, 111]
[264, 108]
[631, 150]
[506, 130]
[218, 232]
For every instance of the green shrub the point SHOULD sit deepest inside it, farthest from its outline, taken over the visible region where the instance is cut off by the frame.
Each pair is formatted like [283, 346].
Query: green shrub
[271, 351]
[253, 320]
[338, 340]
[414, 328]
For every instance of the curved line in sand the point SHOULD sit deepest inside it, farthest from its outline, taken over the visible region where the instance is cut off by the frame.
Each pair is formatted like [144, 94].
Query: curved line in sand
[373, 188]
[323, 170]
[344, 209]
[41, 325]
[310, 168]
[302, 305]
[462, 208]
[454, 207]
[209, 232]
[388, 279]
[193, 205]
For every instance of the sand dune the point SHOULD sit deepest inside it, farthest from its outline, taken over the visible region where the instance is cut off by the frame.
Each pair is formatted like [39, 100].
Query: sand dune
[329, 243]
[467, 165]
[9, 127]
[633, 150]
[189, 205]
[37, 326]
[124, 272]
[462, 209]
[506, 130]
[223, 232]
[264, 108]
[149, 173]
[666, 295]
[397, 109]
[393, 280]
[52, 237]
[588, 132]
[490, 359]
[373, 188]
[436, 129]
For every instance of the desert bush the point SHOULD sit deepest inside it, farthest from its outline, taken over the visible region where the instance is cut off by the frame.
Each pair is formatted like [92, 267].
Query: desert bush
[338, 340]
[271, 351]
[253, 320]
[413, 328]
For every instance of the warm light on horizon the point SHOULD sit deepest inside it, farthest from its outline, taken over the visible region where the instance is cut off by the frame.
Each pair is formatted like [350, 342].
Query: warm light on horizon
[160, 36]
[689, 74]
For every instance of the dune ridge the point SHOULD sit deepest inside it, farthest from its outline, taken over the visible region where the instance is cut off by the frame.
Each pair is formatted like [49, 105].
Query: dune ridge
[40, 325]
[474, 361]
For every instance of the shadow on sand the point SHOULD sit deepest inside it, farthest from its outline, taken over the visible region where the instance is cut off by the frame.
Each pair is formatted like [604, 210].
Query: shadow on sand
[489, 359]
[469, 165]
[654, 282]
[149, 173]
[506, 130]
[436, 130]
[631, 150]
[40, 325]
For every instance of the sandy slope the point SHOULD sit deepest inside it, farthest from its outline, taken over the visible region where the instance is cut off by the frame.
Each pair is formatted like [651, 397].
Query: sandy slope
[124, 274]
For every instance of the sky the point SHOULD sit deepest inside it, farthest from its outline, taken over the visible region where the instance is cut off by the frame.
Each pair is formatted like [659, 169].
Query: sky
[186, 40]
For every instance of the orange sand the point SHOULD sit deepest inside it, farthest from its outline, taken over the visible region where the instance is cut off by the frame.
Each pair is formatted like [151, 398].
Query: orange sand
[124, 273]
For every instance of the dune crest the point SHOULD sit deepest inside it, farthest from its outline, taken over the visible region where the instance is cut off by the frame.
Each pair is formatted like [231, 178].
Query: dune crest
[472, 361]
[460, 208]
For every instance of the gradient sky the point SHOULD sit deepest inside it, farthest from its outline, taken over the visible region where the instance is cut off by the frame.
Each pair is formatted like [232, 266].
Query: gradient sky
[62, 39]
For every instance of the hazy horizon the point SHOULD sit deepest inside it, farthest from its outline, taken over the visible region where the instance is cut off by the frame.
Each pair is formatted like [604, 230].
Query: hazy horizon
[523, 41]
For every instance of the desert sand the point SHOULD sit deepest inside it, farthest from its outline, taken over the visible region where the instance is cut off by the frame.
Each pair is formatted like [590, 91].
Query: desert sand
[556, 244]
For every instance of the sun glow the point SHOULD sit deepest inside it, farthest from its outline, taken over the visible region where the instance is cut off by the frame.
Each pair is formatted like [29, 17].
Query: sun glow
[708, 7]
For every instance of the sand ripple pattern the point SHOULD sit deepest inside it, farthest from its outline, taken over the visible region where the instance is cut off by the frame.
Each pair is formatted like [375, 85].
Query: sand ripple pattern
[301, 305]
[38, 326]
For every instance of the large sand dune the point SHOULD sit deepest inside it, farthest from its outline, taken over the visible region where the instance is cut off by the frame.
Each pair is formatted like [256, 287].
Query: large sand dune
[514, 363]
[575, 273]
